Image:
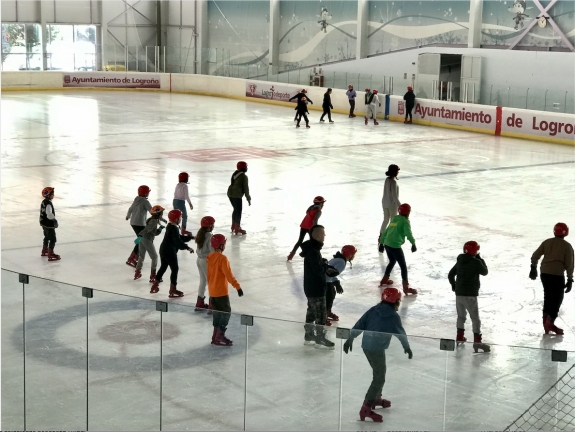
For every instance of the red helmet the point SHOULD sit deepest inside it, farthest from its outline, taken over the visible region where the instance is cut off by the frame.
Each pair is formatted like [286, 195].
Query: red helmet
[471, 248]
[183, 177]
[156, 209]
[367, 90]
[207, 221]
[47, 191]
[241, 165]
[375, 92]
[218, 240]
[319, 199]
[348, 251]
[404, 209]
[303, 90]
[409, 88]
[174, 215]
[390, 295]
[144, 191]
[561, 229]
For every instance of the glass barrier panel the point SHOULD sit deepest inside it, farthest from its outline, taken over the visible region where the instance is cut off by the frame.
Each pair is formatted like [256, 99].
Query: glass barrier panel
[290, 385]
[55, 339]
[202, 384]
[12, 352]
[124, 362]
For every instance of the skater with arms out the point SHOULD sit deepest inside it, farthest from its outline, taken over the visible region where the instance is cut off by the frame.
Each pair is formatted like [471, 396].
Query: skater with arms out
[312, 215]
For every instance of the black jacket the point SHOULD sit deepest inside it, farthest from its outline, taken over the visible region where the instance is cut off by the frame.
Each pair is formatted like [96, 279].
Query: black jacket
[409, 98]
[173, 241]
[301, 107]
[314, 267]
[327, 101]
[300, 95]
[467, 270]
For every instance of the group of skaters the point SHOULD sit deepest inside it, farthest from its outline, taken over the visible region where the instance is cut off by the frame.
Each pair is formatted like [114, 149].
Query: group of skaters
[372, 103]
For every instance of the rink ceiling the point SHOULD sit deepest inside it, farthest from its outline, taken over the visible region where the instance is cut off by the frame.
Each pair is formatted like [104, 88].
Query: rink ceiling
[96, 148]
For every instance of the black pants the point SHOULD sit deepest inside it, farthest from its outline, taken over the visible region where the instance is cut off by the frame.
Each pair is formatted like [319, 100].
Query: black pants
[408, 109]
[326, 110]
[376, 360]
[169, 260]
[298, 117]
[329, 295]
[553, 292]
[137, 229]
[351, 106]
[237, 213]
[302, 233]
[49, 237]
[395, 255]
[222, 309]
[316, 311]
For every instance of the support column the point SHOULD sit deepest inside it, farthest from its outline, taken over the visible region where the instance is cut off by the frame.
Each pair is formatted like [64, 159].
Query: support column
[202, 54]
[44, 11]
[274, 37]
[362, 29]
[105, 17]
[475, 21]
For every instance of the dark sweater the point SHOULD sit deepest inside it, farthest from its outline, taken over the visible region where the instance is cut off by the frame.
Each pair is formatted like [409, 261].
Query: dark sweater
[301, 95]
[467, 271]
[314, 268]
[173, 241]
[409, 98]
[327, 101]
[380, 322]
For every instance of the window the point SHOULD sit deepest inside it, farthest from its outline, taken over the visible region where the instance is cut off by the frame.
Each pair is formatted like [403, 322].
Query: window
[21, 47]
[71, 47]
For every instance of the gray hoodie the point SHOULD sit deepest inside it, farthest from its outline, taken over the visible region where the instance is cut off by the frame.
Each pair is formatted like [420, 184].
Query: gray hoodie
[139, 211]
[206, 249]
[151, 229]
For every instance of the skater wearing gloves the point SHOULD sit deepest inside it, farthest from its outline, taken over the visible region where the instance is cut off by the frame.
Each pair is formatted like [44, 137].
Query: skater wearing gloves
[203, 249]
[302, 112]
[49, 224]
[145, 241]
[464, 280]
[372, 103]
[391, 240]
[302, 94]
[239, 187]
[137, 216]
[557, 259]
[390, 201]
[314, 285]
[219, 275]
[181, 195]
[338, 262]
[311, 218]
[409, 99]
[381, 321]
[327, 106]
[351, 95]
[173, 241]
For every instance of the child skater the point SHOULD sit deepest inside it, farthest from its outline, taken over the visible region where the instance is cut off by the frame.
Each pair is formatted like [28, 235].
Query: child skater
[219, 275]
[145, 241]
[137, 215]
[302, 112]
[372, 104]
[203, 249]
[338, 262]
[311, 218]
[49, 224]
[390, 201]
[392, 239]
[172, 242]
[327, 106]
[180, 197]
[299, 96]
[239, 186]
[464, 280]
[380, 322]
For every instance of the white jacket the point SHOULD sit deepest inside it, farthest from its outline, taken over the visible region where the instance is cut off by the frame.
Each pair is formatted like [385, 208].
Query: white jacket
[390, 193]
[375, 101]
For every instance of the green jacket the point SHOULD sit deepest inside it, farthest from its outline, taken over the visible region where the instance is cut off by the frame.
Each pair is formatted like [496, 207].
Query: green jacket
[398, 229]
[239, 186]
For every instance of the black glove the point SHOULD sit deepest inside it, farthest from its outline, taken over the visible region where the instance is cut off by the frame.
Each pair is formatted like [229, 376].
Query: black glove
[348, 345]
[533, 273]
[324, 261]
[190, 250]
[55, 223]
[409, 353]
[569, 285]
[338, 287]
[240, 292]
[381, 248]
[413, 248]
[331, 271]
[453, 287]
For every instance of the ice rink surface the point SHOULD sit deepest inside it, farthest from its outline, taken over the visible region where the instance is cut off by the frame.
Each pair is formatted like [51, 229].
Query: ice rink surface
[96, 148]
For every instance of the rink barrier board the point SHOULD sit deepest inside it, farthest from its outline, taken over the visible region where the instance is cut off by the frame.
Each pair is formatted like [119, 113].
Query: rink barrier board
[443, 125]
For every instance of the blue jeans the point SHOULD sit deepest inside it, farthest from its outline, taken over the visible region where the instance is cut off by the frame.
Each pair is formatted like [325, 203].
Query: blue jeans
[395, 255]
[181, 205]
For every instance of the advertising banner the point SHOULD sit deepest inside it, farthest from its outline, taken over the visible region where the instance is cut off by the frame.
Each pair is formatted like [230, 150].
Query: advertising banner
[554, 127]
[104, 79]
[263, 90]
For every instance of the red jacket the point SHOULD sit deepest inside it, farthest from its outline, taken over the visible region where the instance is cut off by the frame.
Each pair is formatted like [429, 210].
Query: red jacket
[313, 214]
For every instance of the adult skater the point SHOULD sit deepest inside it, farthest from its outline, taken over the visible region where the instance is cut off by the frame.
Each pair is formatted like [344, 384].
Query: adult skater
[219, 275]
[557, 259]
[49, 224]
[464, 280]
[145, 241]
[299, 96]
[181, 195]
[380, 322]
[173, 241]
[203, 249]
[312, 215]
[314, 286]
[409, 99]
[137, 216]
[333, 285]
[239, 186]
[390, 201]
[372, 104]
[302, 112]
[391, 240]
[351, 95]
[327, 106]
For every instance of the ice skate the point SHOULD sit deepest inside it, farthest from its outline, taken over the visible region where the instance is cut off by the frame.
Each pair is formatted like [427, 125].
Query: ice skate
[214, 335]
[152, 276]
[385, 281]
[405, 121]
[309, 338]
[201, 306]
[366, 121]
[322, 342]
[407, 290]
[332, 317]
[290, 256]
[478, 345]
[460, 337]
[375, 122]
[331, 121]
[155, 287]
[322, 120]
[55, 257]
[239, 230]
[307, 125]
[174, 292]
[367, 412]
[379, 401]
[220, 339]
[353, 115]
[187, 233]
[549, 326]
[132, 260]
[297, 125]
[137, 274]
[409, 121]
[210, 307]
[44, 251]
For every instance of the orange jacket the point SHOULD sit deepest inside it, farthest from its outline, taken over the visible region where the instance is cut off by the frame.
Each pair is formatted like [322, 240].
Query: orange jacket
[219, 275]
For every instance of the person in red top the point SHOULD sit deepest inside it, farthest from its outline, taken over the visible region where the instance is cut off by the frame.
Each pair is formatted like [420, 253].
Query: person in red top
[313, 213]
[219, 275]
